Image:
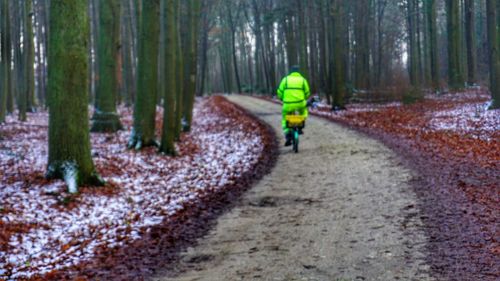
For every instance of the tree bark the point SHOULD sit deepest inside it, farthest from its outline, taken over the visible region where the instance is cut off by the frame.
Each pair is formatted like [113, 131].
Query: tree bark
[339, 56]
[232, 26]
[30, 57]
[170, 90]
[105, 118]
[5, 63]
[413, 42]
[455, 75]
[494, 48]
[69, 142]
[470, 32]
[362, 65]
[431, 13]
[194, 32]
[143, 133]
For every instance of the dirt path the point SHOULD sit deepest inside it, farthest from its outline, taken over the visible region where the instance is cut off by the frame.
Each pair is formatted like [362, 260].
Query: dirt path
[341, 209]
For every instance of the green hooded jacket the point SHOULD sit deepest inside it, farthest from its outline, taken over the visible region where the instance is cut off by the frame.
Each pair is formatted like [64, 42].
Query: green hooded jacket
[294, 88]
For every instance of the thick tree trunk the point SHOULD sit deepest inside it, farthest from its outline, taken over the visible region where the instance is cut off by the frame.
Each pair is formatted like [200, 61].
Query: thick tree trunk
[189, 98]
[170, 90]
[143, 133]
[69, 142]
[105, 118]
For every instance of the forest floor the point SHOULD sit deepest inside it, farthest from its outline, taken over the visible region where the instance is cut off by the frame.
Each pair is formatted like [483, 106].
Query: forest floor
[340, 209]
[453, 143]
[348, 208]
[345, 208]
[151, 205]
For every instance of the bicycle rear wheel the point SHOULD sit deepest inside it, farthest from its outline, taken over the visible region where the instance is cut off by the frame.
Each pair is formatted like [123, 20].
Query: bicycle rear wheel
[296, 141]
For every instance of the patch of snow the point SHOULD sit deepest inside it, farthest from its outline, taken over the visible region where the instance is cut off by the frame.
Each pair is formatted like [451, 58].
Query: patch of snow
[474, 119]
[152, 188]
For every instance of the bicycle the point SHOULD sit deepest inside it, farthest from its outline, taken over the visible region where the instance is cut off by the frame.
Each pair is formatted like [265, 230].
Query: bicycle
[295, 123]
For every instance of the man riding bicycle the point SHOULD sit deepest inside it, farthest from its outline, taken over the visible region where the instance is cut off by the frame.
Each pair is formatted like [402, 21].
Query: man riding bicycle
[293, 92]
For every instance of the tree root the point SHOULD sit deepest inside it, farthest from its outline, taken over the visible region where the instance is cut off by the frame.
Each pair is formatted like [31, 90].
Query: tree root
[71, 174]
[105, 122]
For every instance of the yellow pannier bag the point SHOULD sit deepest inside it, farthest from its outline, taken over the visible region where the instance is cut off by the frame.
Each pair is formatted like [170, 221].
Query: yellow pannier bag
[295, 120]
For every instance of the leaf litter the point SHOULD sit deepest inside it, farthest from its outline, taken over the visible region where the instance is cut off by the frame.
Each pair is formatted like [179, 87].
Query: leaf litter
[47, 233]
[453, 142]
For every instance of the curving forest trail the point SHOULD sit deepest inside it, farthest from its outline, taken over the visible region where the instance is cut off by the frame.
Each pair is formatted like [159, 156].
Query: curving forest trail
[341, 209]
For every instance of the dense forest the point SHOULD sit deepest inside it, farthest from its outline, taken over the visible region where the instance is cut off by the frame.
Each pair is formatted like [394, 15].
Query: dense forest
[371, 48]
[64, 55]
[143, 137]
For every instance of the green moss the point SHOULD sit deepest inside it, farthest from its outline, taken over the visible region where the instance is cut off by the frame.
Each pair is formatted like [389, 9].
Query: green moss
[147, 76]
[168, 133]
[105, 118]
[69, 140]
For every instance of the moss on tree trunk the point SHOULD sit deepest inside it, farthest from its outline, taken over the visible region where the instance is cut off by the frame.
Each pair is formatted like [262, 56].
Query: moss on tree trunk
[69, 142]
[143, 133]
[30, 54]
[4, 66]
[170, 89]
[494, 48]
[189, 94]
[455, 73]
[105, 118]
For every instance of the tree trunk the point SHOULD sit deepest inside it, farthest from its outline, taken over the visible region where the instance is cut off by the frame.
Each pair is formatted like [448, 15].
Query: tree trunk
[456, 77]
[143, 133]
[69, 142]
[11, 77]
[5, 63]
[413, 49]
[180, 68]
[194, 31]
[170, 90]
[339, 56]
[433, 48]
[232, 26]
[323, 73]
[494, 48]
[304, 66]
[105, 118]
[204, 55]
[470, 32]
[291, 49]
[20, 62]
[30, 57]
[362, 65]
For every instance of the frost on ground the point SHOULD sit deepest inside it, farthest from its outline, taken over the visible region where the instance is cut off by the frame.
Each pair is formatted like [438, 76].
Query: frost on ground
[44, 229]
